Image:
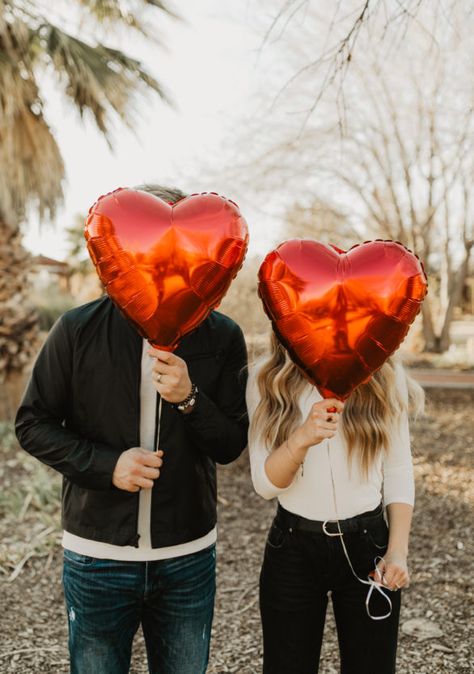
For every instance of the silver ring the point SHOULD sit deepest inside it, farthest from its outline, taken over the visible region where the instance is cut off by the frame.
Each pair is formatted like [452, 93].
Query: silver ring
[158, 377]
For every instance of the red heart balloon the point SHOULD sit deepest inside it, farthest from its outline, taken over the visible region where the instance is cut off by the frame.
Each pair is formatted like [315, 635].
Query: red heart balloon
[341, 314]
[166, 266]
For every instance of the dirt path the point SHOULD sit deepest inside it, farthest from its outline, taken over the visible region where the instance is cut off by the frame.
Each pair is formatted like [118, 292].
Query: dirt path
[32, 620]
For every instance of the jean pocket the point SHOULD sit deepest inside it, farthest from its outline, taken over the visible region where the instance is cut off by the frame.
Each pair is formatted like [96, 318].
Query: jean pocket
[377, 536]
[276, 537]
[77, 558]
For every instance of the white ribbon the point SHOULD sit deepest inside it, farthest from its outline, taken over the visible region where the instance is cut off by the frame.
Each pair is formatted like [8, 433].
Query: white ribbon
[377, 585]
[374, 585]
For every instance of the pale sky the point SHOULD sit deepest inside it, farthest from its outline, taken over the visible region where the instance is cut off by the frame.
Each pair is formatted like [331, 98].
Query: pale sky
[223, 81]
[209, 68]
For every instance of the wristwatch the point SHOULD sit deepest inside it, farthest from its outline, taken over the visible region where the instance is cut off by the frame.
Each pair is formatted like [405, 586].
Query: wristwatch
[188, 402]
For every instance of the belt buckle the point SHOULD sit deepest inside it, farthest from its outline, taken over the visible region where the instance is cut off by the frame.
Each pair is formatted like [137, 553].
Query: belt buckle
[329, 533]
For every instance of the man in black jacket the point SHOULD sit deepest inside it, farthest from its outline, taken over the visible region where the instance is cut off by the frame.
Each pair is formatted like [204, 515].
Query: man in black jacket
[139, 522]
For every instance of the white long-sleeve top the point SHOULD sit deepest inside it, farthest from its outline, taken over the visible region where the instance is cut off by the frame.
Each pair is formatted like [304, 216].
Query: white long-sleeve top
[390, 477]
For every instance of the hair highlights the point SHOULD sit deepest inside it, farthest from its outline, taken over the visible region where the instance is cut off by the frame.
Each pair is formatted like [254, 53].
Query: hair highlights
[370, 414]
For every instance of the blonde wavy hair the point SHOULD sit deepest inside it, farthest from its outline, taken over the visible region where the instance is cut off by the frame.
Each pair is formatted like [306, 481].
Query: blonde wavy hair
[370, 413]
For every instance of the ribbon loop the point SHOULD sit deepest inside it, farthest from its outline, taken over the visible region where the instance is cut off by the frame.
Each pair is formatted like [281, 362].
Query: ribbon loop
[376, 585]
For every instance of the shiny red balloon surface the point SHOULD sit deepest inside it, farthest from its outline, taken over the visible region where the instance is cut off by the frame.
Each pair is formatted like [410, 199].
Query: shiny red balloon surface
[341, 314]
[166, 266]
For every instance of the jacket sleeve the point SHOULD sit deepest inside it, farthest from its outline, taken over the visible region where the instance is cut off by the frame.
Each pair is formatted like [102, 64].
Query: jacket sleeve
[39, 422]
[220, 428]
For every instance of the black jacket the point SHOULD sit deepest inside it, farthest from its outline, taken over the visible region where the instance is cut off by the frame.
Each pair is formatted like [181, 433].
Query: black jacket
[81, 410]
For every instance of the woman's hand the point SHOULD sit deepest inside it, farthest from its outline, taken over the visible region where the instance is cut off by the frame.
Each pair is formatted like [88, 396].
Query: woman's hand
[283, 462]
[393, 571]
[319, 425]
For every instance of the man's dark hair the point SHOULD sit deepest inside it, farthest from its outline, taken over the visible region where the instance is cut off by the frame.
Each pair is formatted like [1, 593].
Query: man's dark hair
[169, 194]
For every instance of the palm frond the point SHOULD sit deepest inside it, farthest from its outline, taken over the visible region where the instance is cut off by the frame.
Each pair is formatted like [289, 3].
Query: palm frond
[97, 78]
[15, 38]
[125, 13]
[161, 5]
[32, 168]
[28, 145]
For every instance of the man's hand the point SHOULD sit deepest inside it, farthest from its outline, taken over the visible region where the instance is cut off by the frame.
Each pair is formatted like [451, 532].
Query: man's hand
[170, 376]
[137, 468]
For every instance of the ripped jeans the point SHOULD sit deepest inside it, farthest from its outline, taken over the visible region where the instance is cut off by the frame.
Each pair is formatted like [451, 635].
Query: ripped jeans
[172, 599]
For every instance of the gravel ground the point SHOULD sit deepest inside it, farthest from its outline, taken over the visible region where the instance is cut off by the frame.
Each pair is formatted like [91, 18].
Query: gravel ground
[436, 613]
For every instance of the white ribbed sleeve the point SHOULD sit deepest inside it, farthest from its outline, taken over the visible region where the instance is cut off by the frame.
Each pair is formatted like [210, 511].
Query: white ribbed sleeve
[397, 466]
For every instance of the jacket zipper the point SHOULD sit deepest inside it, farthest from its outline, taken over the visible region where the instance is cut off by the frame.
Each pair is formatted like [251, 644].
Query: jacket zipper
[136, 536]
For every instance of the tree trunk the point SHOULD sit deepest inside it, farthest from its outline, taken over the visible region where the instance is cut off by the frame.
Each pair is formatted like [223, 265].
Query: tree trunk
[18, 320]
[429, 334]
[456, 285]
[11, 391]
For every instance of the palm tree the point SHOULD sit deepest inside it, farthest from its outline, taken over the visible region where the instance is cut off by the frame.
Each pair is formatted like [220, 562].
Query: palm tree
[99, 80]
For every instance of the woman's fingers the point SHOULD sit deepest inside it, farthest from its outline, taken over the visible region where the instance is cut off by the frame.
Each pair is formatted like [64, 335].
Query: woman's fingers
[319, 424]
[400, 580]
[332, 404]
[327, 426]
[395, 577]
[328, 406]
[379, 571]
[325, 421]
[392, 574]
[323, 415]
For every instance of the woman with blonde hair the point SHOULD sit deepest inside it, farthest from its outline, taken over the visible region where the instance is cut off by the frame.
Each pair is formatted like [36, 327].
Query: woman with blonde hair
[335, 473]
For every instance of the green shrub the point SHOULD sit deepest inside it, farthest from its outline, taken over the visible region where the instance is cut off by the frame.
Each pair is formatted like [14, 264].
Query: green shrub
[50, 305]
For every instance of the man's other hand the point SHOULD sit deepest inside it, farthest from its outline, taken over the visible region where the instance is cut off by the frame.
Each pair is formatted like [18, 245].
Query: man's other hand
[137, 468]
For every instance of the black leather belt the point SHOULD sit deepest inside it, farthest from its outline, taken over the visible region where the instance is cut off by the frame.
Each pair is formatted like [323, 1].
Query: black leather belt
[288, 520]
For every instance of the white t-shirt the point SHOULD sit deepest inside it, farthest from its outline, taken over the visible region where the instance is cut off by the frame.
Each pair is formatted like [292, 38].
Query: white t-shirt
[310, 495]
[144, 552]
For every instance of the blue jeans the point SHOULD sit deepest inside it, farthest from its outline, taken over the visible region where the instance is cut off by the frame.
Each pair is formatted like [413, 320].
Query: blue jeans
[172, 599]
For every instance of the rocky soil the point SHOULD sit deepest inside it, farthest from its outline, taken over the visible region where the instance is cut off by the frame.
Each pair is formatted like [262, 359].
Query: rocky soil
[436, 615]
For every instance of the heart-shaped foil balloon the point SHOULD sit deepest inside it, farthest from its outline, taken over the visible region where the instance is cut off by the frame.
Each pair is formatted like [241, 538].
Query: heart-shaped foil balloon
[166, 266]
[340, 314]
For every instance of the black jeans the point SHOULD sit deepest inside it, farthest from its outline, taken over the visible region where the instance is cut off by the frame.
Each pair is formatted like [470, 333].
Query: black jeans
[299, 569]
